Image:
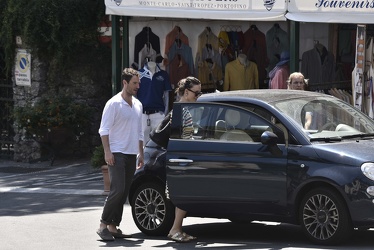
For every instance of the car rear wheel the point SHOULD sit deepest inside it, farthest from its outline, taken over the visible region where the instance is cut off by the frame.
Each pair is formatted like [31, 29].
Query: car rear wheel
[324, 217]
[152, 212]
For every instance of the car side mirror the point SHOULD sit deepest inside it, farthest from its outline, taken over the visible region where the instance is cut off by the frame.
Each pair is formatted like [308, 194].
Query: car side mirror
[270, 139]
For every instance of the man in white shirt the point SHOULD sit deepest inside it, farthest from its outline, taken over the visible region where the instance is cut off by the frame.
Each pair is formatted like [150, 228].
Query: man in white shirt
[122, 137]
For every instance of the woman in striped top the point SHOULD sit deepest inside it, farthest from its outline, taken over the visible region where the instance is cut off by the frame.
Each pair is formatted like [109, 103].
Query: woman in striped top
[189, 89]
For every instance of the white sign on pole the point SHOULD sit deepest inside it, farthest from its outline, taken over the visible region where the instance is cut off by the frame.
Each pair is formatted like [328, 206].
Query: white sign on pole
[22, 70]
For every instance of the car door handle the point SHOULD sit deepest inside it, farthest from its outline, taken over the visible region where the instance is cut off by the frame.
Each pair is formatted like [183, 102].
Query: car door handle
[180, 160]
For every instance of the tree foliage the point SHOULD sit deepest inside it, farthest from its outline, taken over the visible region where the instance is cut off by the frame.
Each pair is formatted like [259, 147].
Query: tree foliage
[53, 30]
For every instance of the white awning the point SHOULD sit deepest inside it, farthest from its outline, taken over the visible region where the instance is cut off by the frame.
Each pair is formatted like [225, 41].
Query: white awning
[331, 11]
[241, 10]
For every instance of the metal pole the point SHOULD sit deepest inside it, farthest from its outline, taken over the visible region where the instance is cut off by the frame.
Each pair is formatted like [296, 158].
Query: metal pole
[125, 42]
[294, 46]
[116, 60]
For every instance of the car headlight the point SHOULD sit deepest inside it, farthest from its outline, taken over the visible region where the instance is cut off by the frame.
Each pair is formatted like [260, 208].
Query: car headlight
[368, 170]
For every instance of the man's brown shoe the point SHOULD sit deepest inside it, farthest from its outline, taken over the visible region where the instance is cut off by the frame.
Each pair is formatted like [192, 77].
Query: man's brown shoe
[105, 234]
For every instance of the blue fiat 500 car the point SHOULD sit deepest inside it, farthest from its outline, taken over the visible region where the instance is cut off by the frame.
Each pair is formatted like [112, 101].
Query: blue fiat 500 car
[297, 157]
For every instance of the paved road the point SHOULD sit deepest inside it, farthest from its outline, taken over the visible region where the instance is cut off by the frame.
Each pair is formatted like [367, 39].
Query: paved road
[58, 207]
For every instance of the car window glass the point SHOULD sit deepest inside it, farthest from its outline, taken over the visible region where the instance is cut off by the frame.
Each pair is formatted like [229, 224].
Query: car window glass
[226, 123]
[256, 109]
[323, 113]
[283, 134]
[326, 117]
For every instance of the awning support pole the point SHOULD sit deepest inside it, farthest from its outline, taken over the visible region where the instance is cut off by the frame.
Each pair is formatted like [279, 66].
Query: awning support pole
[294, 46]
[125, 42]
[116, 55]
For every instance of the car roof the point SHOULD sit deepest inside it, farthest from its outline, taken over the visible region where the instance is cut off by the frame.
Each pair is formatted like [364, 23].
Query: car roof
[265, 95]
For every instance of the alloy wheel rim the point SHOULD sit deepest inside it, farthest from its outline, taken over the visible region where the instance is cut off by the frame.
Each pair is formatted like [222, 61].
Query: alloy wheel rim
[321, 217]
[150, 209]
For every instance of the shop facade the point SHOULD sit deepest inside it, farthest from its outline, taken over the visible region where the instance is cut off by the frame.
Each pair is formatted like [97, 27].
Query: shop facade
[161, 17]
[328, 25]
[350, 40]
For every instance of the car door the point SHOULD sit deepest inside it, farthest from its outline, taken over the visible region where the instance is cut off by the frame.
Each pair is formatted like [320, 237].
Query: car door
[225, 169]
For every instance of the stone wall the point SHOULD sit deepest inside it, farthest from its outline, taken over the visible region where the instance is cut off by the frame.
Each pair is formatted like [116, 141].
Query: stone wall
[87, 80]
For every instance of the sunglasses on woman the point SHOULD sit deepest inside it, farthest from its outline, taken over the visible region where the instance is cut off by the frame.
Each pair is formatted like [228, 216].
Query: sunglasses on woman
[197, 93]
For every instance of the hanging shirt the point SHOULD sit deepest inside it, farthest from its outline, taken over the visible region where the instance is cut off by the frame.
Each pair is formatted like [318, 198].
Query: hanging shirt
[318, 68]
[145, 37]
[277, 41]
[255, 49]
[185, 51]
[226, 53]
[238, 76]
[146, 54]
[223, 39]
[210, 54]
[210, 75]
[178, 69]
[236, 41]
[207, 47]
[278, 78]
[206, 37]
[152, 88]
[176, 33]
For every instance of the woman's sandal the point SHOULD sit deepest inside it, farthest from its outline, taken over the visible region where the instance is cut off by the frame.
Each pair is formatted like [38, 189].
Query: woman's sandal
[179, 237]
[190, 237]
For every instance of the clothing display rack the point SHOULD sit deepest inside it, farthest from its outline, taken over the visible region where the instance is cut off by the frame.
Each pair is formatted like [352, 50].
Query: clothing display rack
[231, 28]
[346, 85]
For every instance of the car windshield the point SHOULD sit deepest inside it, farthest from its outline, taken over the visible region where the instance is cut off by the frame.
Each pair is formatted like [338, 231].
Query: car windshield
[327, 118]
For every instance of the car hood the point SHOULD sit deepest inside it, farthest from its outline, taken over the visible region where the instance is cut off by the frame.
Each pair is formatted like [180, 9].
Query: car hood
[348, 152]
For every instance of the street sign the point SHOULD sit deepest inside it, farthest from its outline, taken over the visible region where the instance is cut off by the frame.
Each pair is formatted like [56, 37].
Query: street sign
[22, 70]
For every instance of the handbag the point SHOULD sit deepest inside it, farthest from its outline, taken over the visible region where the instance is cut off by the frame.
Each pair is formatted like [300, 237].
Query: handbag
[161, 134]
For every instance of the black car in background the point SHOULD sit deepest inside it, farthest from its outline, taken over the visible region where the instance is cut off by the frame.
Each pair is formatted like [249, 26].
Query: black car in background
[251, 158]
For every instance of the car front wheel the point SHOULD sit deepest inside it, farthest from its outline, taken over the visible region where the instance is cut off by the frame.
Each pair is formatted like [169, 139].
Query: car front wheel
[324, 217]
[152, 212]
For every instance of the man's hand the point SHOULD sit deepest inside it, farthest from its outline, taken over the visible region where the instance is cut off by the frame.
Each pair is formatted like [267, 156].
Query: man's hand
[109, 158]
[140, 161]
